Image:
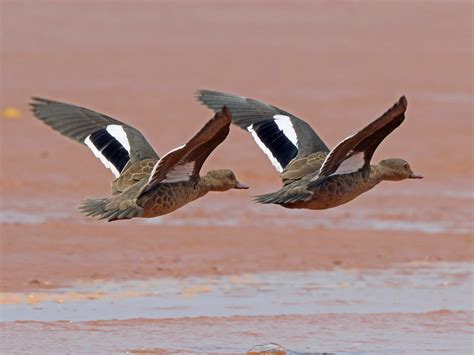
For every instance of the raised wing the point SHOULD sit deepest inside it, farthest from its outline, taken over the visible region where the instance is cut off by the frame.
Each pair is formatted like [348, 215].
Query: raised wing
[280, 135]
[355, 152]
[185, 162]
[114, 143]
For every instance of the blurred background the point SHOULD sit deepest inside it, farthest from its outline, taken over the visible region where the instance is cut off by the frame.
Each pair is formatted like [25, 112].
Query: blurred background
[337, 65]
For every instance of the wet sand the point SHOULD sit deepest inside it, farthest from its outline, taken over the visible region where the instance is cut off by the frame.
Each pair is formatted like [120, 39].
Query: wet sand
[46, 255]
[337, 65]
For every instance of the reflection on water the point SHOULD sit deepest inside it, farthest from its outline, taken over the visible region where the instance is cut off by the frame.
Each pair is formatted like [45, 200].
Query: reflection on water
[407, 288]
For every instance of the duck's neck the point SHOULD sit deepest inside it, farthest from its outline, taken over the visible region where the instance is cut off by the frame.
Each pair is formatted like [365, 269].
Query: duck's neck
[377, 173]
[208, 183]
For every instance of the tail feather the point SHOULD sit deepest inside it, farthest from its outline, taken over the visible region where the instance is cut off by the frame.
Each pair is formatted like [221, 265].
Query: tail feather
[94, 207]
[103, 209]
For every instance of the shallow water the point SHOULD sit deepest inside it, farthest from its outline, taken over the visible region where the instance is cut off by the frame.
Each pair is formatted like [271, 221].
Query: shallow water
[314, 312]
[408, 288]
[421, 333]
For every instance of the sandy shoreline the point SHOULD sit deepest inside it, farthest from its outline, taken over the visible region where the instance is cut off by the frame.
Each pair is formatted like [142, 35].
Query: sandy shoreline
[63, 253]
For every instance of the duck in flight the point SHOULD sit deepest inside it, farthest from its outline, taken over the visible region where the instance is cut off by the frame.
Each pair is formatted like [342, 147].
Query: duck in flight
[313, 176]
[145, 185]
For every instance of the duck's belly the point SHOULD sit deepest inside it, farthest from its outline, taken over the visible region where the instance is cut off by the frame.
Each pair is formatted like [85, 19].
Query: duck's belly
[335, 191]
[323, 202]
[168, 198]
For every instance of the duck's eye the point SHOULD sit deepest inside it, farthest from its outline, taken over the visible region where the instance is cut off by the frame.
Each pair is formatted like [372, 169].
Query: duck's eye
[406, 166]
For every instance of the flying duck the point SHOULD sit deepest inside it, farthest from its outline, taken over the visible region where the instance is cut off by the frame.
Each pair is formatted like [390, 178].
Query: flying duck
[145, 185]
[313, 176]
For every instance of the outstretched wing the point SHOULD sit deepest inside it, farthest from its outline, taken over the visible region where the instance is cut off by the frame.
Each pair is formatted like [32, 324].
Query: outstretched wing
[184, 162]
[280, 135]
[113, 142]
[355, 152]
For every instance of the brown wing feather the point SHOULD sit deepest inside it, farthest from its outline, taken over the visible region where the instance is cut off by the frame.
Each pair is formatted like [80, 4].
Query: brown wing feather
[304, 167]
[196, 150]
[136, 172]
[367, 139]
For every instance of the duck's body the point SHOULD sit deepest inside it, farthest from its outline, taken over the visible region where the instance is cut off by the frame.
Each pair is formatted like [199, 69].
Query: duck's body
[162, 200]
[328, 193]
[313, 176]
[169, 197]
[145, 185]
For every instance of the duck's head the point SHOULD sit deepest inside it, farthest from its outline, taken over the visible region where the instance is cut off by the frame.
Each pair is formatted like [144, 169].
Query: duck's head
[223, 180]
[397, 169]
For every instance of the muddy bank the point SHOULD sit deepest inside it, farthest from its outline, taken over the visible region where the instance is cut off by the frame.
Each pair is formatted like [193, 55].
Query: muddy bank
[53, 254]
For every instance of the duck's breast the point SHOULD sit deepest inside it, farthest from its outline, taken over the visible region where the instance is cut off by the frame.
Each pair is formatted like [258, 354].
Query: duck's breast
[339, 189]
[167, 198]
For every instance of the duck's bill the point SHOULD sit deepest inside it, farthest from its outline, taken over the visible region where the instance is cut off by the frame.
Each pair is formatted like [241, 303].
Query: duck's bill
[239, 185]
[415, 176]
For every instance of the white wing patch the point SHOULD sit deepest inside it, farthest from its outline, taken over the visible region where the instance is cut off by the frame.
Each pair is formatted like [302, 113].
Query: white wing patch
[99, 155]
[175, 149]
[329, 157]
[284, 124]
[267, 151]
[119, 134]
[179, 173]
[350, 165]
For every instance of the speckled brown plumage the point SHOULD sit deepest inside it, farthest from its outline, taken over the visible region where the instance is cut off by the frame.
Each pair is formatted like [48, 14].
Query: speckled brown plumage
[313, 176]
[145, 185]
[169, 197]
[303, 168]
[334, 191]
[141, 170]
[165, 198]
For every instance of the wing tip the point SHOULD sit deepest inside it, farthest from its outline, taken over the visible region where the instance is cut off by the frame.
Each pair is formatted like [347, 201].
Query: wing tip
[224, 114]
[36, 101]
[212, 98]
[402, 101]
[398, 107]
[39, 100]
[200, 94]
[225, 111]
